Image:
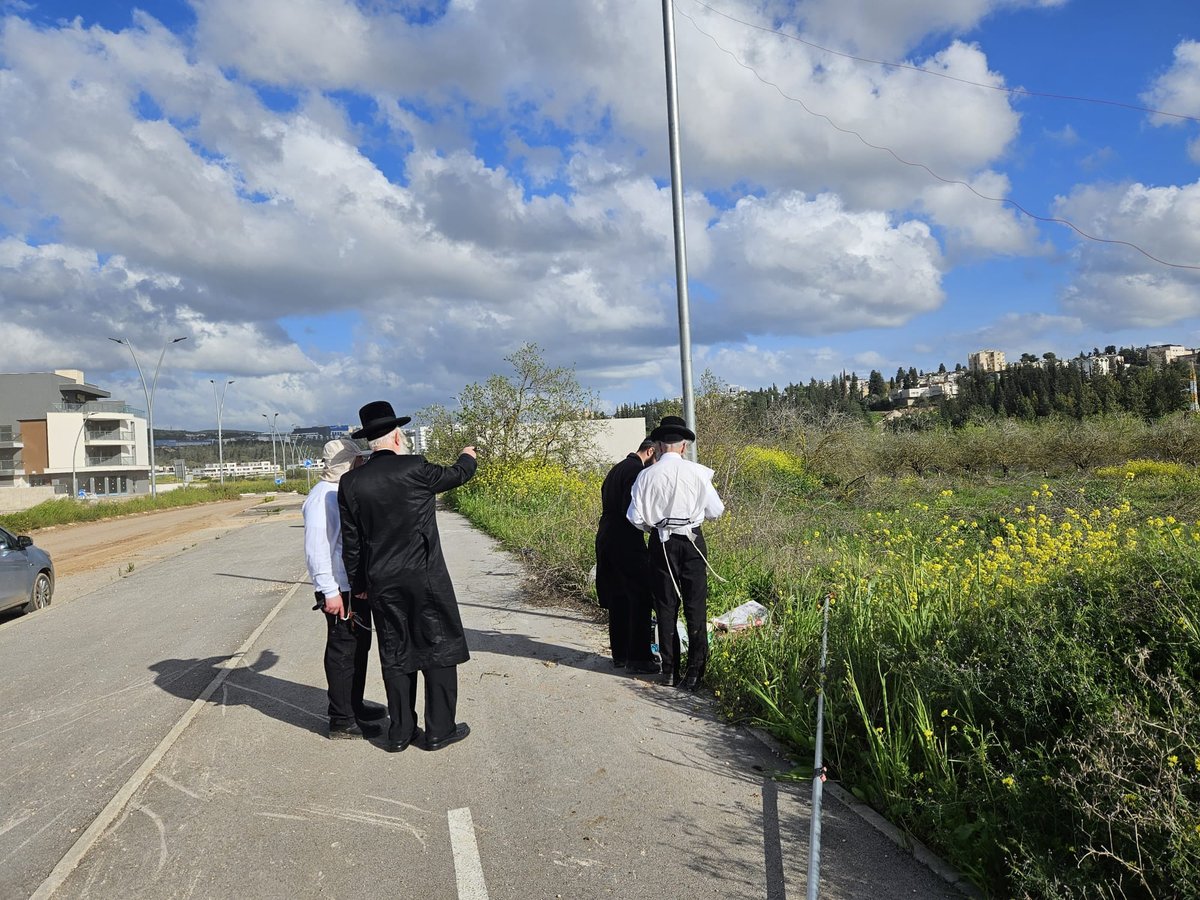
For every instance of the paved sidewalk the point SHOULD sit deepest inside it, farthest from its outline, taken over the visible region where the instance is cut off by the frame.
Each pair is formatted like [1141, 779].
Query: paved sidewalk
[576, 781]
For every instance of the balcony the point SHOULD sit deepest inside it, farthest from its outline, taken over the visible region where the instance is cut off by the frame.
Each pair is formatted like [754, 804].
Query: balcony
[102, 407]
[110, 462]
[109, 436]
[9, 440]
[9, 469]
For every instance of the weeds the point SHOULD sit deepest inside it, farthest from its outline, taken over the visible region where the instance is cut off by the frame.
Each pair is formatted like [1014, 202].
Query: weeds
[1013, 661]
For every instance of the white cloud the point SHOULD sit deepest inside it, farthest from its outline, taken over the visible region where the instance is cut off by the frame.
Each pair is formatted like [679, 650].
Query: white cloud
[496, 176]
[734, 126]
[976, 226]
[1117, 286]
[1177, 90]
[886, 28]
[790, 265]
[1018, 333]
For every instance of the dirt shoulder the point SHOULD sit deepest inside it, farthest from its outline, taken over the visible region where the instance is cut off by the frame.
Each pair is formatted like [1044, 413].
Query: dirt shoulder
[88, 555]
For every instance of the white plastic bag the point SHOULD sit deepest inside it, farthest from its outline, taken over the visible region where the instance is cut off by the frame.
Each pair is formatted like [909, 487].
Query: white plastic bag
[748, 615]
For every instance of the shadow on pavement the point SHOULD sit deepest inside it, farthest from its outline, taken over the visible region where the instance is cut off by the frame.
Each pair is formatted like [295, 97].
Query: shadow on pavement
[856, 862]
[255, 578]
[566, 617]
[300, 705]
[507, 643]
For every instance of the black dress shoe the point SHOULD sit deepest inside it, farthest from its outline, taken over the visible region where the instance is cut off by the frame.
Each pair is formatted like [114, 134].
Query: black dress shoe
[618, 663]
[669, 679]
[353, 730]
[461, 730]
[371, 712]
[400, 746]
[644, 667]
[690, 683]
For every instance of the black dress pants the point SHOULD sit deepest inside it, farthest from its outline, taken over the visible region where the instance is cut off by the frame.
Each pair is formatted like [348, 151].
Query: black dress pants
[680, 578]
[441, 702]
[400, 680]
[347, 651]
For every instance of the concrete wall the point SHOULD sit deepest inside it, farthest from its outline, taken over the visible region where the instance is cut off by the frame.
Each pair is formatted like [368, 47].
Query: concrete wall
[614, 439]
[64, 440]
[17, 499]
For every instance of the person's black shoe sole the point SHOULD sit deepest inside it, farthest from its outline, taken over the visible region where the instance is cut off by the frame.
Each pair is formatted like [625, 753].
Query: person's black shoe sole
[460, 731]
[351, 732]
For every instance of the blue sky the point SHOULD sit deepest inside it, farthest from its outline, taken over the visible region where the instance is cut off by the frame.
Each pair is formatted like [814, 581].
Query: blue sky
[339, 202]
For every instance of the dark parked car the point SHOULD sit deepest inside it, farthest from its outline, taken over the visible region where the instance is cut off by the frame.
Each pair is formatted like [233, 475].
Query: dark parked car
[26, 573]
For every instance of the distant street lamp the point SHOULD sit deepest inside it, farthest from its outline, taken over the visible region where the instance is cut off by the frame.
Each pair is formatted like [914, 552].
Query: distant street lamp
[220, 443]
[271, 426]
[149, 392]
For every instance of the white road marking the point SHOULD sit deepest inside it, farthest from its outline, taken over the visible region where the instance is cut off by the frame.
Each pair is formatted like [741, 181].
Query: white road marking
[117, 804]
[468, 870]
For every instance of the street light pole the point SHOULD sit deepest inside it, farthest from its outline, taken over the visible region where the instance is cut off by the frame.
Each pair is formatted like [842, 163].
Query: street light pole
[681, 286]
[220, 443]
[149, 397]
[74, 453]
[274, 461]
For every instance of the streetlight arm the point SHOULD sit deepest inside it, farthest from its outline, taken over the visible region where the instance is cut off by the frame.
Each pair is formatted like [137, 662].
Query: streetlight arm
[129, 346]
[154, 383]
[149, 393]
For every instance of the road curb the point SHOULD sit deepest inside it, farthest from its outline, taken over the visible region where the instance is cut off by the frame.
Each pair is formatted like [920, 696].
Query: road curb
[901, 839]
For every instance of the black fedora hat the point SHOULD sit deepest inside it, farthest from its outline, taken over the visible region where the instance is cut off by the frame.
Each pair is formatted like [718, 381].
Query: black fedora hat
[378, 418]
[671, 430]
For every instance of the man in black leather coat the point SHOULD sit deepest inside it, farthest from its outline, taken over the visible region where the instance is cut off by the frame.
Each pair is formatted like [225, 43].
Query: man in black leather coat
[393, 557]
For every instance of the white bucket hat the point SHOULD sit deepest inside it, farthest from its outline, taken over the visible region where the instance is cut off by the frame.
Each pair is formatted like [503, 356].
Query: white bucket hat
[339, 456]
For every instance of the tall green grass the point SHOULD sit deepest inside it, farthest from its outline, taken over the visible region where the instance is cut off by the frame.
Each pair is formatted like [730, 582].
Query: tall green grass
[1013, 661]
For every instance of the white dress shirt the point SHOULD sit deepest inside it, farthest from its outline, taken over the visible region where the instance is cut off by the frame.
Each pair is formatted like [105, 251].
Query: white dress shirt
[673, 496]
[323, 540]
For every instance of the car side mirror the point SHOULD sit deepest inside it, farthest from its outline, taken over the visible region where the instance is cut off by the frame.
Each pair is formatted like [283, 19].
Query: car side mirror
[24, 541]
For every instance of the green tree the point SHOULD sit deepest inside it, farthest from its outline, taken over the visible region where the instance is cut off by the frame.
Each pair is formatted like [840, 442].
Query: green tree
[539, 412]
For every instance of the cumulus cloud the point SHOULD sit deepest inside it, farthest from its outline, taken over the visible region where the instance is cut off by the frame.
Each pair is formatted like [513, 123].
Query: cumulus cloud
[1177, 90]
[450, 188]
[1119, 287]
[883, 28]
[792, 265]
[599, 67]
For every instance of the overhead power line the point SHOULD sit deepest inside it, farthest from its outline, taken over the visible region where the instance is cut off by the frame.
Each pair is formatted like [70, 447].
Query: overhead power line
[918, 165]
[1023, 92]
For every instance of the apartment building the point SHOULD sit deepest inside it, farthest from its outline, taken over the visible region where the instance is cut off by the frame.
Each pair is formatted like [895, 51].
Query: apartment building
[986, 361]
[257, 469]
[1162, 355]
[60, 432]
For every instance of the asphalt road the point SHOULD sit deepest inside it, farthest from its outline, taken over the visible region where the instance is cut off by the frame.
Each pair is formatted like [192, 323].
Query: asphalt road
[163, 736]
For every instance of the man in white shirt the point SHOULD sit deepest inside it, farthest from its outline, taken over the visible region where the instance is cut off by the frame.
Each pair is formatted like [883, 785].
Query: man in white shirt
[671, 499]
[348, 642]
